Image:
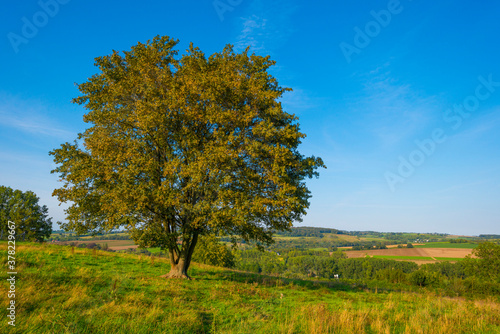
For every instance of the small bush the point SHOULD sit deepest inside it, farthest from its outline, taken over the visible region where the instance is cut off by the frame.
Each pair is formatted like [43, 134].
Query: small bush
[210, 251]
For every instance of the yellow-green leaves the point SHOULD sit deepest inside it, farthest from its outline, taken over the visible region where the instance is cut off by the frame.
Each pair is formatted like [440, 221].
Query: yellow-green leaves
[184, 145]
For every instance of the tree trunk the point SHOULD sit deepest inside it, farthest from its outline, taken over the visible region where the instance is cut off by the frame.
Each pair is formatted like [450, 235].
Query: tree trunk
[178, 270]
[180, 262]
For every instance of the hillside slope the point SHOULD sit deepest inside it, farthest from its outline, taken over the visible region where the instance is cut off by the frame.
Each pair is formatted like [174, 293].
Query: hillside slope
[60, 290]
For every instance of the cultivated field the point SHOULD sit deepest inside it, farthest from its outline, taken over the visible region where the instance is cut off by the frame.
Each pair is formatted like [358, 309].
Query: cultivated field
[418, 255]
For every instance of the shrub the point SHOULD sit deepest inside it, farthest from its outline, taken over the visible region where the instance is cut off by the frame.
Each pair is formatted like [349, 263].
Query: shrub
[210, 251]
[424, 278]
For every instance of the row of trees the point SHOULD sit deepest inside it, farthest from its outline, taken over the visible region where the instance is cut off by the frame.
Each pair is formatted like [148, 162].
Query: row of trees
[64, 238]
[306, 231]
[306, 264]
[478, 275]
[328, 243]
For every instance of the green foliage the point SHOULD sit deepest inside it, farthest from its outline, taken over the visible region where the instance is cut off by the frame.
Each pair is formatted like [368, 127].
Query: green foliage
[31, 220]
[487, 265]
[61, 236]
[306, 231]
[458, 241]
[368, 268]
[391, 274]
[489, 236]
[303, 264]
[446, 269]
[184, 146]
[424, 278]
[210, 251]
[409, 245]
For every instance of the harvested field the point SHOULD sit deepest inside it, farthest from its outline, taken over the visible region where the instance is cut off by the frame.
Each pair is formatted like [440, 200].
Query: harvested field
[404, 253]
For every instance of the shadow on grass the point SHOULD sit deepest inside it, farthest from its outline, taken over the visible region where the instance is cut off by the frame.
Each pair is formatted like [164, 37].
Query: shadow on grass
[229, 275]
[207, 321]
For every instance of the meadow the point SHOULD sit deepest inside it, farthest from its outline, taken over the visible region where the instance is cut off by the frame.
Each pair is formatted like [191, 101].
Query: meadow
[70, 290]
[469, 245]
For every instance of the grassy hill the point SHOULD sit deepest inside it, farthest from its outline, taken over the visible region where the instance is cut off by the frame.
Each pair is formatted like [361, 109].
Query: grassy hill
[65, 290]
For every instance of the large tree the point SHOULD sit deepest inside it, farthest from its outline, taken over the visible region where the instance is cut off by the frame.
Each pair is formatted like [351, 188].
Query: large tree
[31, 220]
[183, 146]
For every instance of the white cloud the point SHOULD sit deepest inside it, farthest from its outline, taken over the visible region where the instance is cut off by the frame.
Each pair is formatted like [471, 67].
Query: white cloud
[298, 102]
[253, 34]
[392, 112]
[487, 124]
[31, 117]
[267, 30]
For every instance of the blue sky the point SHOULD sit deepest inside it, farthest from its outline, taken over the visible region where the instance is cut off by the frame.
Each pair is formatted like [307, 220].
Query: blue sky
[401, 99]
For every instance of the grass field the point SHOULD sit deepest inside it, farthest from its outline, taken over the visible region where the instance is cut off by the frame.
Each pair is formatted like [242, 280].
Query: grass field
[80, 291]
[447, 245]
[154, 250]
[453, 259]
[349, 238]
[319, 249]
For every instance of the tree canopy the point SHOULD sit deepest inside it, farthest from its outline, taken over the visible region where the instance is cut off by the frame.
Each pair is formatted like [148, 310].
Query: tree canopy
[183, 146]
[31, 220]
[487, 264]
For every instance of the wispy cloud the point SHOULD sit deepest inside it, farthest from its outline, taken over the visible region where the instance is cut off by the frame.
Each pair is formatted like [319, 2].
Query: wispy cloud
[298, 102]
[266, 26]
[393, 111]
[458, 187]
[30, 117]
[40, 161]
[481, 125]
[253, 34]
[379, 206]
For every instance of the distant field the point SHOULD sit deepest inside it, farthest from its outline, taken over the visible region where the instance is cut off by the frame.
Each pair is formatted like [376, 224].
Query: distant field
[449, 259]
[376, 239]
[350, 238]
[446, 245]
[278, 237]
[318, 249]
[414, 254]
[103, 237]
[112, 244]
[117, 245]
[409, 258]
